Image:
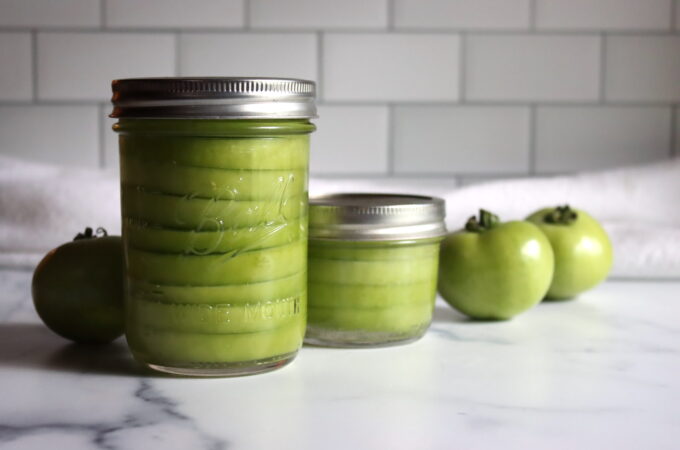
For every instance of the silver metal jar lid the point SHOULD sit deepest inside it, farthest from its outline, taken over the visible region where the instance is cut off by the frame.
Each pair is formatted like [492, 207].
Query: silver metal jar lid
[214, 97]
[376, 217]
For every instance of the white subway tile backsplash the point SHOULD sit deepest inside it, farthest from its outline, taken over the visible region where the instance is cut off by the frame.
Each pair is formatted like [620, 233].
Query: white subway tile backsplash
[462, 14]
[174, 13]
[532, 68]
[603, 14]
[643, 68]
[391, 67]
[235, 54]
[318, 14]
[350, 140]
[80, 66]
[464, 89]
[65, 135]
[49, 13]
[16, 77]
[465, 139]
[587, 138]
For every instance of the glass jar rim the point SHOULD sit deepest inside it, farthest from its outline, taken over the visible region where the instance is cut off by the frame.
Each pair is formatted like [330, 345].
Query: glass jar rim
[214, 98]
[376, 217]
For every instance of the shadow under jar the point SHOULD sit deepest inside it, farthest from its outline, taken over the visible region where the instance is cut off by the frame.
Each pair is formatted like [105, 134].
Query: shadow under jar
[373, 261]
[214, 178]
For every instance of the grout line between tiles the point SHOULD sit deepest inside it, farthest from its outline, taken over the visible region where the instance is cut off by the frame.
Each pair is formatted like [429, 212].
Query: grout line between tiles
[532, 139]
[102, 14]
[603, 67]
[176, 41]
[352, 30]
[246, 15]
[390, 15]
[501, 103]
[92, 102]
[390, 140]
[532, 15]
[34, 65]
[675, 4]
[462, 79]
[319, 65]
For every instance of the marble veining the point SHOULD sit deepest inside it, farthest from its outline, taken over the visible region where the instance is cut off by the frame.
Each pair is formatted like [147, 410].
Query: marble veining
[597, 372]
[149, 419]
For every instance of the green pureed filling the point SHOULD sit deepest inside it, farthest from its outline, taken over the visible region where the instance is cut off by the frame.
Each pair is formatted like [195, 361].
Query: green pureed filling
[370, 293]
[215, 235]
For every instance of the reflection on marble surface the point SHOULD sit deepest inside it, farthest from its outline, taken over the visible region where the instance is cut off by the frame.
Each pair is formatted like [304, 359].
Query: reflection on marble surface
[599, 372]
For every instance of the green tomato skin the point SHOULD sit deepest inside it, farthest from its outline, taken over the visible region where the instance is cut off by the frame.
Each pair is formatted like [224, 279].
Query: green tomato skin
[78, 290]
[498, 273]
[583, 253]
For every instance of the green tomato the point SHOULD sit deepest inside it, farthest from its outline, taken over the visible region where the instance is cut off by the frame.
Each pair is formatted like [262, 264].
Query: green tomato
[78, 289]
[583, 252]
[494, 271]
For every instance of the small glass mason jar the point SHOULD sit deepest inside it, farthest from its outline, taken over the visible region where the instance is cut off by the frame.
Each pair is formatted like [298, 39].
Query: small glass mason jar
[373, 261]
[214, 199]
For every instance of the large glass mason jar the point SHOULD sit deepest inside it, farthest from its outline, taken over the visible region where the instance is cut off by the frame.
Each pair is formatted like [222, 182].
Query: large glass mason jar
[214, 206]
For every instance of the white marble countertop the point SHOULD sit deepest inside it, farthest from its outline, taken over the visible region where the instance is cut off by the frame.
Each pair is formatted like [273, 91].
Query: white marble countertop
[600, 372]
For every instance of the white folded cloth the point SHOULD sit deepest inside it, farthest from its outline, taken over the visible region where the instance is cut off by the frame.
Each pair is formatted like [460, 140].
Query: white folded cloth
[644, 250]
[636, 205]
[42, 206]
[646, 193]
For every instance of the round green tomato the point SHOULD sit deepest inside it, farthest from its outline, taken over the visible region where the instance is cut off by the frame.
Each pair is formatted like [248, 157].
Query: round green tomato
[496, 271]
[78, 289]
[583, 252]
